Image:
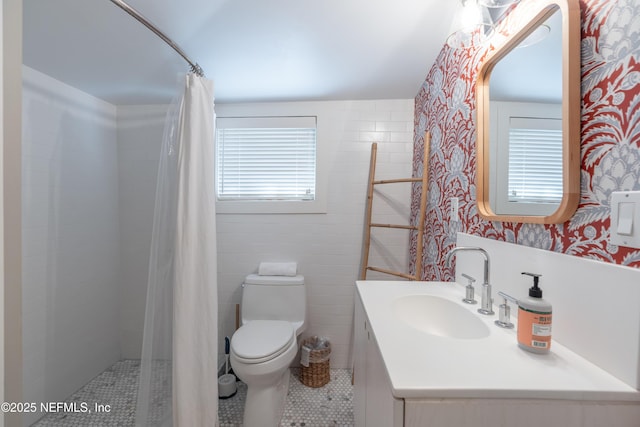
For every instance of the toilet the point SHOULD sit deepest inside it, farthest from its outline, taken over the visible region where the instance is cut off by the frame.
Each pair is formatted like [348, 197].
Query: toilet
[262, 349]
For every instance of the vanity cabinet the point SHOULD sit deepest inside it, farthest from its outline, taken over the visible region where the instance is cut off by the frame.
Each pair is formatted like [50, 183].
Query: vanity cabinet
[374, 404]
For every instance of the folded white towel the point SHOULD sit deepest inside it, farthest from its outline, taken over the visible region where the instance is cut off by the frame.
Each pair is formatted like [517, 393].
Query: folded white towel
[278, 269]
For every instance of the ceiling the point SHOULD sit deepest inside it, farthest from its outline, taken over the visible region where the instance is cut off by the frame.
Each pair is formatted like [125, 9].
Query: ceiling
[254, 50]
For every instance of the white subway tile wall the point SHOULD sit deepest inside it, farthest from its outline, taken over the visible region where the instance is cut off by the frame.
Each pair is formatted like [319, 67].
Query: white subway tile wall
[328, 247]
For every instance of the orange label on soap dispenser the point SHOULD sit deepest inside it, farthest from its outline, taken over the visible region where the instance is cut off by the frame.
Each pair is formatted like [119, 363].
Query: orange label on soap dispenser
[534, 329]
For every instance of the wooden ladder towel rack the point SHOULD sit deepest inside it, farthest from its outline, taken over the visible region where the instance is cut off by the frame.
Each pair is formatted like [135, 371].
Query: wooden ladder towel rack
[424, 180]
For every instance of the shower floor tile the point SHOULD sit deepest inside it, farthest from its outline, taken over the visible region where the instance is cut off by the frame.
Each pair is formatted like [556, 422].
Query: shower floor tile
[116, 387]
[330, 405]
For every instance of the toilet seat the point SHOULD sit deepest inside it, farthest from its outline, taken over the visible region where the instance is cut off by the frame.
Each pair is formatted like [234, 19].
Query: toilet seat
[262, 340]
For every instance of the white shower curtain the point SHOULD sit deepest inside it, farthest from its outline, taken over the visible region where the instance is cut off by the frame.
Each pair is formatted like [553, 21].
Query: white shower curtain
[178, 372]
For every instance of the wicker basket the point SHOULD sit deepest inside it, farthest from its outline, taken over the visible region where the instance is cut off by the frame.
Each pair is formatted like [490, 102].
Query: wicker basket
[317, 373]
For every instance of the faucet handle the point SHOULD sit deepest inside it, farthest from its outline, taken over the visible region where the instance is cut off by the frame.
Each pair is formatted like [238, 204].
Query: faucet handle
[469, 293]
[504, 311]
[469, 278]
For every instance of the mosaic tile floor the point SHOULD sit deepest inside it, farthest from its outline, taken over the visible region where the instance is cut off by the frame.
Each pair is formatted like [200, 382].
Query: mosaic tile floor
[116, 387]
[331, 405]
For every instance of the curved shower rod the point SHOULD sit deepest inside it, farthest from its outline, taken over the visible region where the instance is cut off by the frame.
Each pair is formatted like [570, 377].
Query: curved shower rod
[195, 68]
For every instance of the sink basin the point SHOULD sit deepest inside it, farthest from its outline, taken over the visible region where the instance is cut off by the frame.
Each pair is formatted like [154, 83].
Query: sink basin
[438, 316]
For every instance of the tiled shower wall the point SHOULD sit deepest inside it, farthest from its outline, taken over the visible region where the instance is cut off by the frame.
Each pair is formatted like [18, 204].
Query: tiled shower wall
[70, 239]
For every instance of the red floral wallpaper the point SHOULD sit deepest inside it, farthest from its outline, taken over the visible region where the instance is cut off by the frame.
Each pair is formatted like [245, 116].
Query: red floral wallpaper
[610, 143]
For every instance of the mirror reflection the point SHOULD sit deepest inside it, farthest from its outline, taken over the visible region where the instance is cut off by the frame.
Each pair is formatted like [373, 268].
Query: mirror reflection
[525, 120]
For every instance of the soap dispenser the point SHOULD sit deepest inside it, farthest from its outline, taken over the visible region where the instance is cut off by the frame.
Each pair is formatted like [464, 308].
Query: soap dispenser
[534, 320]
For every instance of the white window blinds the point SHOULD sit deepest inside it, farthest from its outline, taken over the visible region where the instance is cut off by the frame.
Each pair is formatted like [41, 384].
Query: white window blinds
[266, 158]
[535, 160]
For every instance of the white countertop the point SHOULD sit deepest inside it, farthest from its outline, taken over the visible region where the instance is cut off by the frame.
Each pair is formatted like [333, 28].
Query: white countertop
[420, 365]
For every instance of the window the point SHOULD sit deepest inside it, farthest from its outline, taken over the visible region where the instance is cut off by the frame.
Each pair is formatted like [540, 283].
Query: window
[266, 159]
[527, 148]
[535, 160]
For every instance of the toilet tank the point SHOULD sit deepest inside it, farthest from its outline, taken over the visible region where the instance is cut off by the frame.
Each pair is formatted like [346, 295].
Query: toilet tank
[274, 298]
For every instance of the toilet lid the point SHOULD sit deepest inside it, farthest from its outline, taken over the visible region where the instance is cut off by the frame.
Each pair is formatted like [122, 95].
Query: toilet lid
[262, 340]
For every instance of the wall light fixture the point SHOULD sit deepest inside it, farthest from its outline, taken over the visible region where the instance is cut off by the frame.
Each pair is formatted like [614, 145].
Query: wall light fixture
[471, 26]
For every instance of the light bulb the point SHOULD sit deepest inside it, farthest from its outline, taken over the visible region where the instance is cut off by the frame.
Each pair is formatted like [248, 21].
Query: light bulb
[471, 15]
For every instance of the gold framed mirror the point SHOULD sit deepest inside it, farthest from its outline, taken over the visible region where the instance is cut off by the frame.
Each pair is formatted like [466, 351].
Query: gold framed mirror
[528, 118]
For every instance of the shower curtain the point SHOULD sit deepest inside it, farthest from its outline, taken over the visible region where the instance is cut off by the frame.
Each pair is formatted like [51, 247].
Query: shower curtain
[178, 370]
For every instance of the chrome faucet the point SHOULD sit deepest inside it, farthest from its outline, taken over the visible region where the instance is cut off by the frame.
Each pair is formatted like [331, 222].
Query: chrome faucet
[486, 303]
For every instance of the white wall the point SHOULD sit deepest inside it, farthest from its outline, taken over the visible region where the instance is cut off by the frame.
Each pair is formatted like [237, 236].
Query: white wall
[10, 233]
[2, 103]
[326, 246]
[70, 235]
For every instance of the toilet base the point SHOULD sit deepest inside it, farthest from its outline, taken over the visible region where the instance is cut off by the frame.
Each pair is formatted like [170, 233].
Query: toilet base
[265, 404]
